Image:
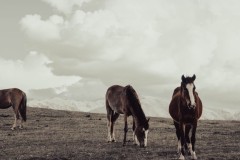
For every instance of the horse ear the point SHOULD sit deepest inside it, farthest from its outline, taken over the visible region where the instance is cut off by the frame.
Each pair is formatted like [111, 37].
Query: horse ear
[183, 78]
[148, 119]
[194, 77]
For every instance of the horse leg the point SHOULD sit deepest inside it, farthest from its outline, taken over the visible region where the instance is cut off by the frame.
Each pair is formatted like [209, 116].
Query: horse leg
[109, 122]
[125, 129]
[133, 129]
[16, 117]
[113, 120]
[189, 145]
[183, 142]
[193, 140]
[21, 124]
[22, 111]
[15, 122]
[178, 136]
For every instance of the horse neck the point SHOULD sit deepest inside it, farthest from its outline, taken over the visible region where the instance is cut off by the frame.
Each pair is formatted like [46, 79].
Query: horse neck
[135, 107]
[182, 91]
[138, 114]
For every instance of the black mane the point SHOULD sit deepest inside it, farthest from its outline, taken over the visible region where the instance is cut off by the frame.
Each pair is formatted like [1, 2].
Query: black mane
[137, 110]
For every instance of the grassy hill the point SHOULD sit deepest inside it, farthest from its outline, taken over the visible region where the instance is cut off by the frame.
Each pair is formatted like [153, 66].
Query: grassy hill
[62, 135]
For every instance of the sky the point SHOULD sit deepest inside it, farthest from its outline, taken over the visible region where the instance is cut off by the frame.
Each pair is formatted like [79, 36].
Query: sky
[76, 49]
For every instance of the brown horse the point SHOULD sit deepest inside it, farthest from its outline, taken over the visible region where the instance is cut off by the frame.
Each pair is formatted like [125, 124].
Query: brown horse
[17, 99]
[124, 100]
[186, 108]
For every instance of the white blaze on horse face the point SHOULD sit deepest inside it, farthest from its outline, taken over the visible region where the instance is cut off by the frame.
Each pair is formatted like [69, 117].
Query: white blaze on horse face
[190, 87]
[145, 139]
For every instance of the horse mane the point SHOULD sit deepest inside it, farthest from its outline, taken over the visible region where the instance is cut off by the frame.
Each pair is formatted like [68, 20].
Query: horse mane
[135, 108]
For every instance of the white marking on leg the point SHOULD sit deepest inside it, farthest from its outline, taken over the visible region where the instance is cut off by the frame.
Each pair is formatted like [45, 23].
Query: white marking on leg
[194, 156]
[15, 122]
[21, 124]
[136, 140]
[145, 139]
[190, 148]
[179, 147]
[109, 132]
[190, 87]
[134, 136]
[113, 134]
[181, 157]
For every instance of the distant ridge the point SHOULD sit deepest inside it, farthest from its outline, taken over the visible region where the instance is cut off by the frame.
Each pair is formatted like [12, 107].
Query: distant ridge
[152, 106]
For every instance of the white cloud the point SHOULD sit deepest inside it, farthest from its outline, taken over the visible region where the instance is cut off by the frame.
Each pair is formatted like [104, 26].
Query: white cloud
[145, 43]
[65, 6]
[39, 29]
[33, 72]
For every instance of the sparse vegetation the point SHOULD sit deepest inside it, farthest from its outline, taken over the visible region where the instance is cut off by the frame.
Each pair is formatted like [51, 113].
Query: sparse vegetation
[60, 135]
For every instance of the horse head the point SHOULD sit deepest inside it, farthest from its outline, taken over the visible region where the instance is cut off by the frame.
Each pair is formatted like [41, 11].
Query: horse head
[141, 133]
[188, 91]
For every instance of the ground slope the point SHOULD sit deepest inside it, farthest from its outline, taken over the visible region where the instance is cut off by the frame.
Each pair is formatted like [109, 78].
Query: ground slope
[60, 135]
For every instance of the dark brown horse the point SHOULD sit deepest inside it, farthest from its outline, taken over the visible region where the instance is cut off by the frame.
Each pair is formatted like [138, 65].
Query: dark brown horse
[186, 108]
[17, 99]
[124, 100]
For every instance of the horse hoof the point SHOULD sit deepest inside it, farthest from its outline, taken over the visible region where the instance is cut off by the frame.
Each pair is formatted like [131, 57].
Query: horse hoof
[12, 128]
[20, 127]
[113, 140]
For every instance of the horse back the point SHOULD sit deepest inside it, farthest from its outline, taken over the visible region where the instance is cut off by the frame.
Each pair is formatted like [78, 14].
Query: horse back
[113, 98]
[10, 96]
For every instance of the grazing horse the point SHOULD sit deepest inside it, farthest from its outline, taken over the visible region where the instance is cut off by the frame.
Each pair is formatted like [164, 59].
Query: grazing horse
[124, 100]
[186, 108]
[17, 99]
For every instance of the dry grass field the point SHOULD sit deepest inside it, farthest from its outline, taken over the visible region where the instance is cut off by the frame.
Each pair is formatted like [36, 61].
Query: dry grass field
[63, 135]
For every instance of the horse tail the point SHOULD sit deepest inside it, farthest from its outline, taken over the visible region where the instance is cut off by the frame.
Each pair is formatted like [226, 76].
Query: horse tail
[23, 107]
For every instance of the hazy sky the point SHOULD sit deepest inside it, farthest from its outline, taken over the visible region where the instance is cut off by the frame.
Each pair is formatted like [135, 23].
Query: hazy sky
[77, 48]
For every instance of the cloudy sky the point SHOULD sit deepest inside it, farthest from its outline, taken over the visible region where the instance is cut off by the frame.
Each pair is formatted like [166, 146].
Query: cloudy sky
[76, 49]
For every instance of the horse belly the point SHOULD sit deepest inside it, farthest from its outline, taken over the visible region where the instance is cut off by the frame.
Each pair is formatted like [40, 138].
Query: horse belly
[5, 101]
[5, 105]
[173, 110]
[116, 108]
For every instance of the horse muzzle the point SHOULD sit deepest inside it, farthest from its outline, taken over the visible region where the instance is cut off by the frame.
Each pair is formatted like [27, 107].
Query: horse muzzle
[192, 106]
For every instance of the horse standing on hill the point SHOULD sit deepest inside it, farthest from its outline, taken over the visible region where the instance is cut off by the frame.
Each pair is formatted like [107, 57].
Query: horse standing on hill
[124, 100]
[17, 99]
[186, 108]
